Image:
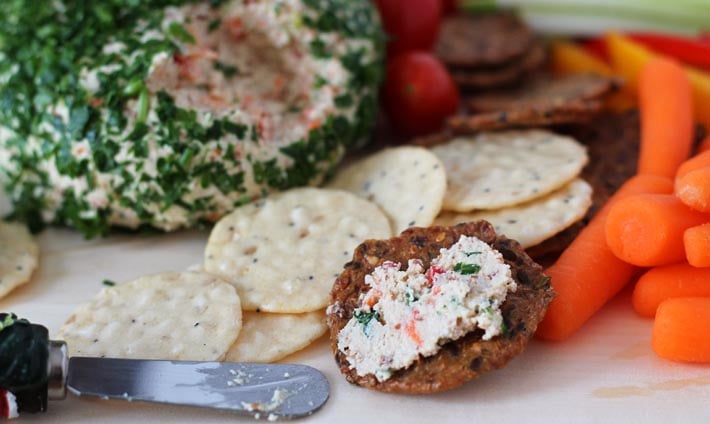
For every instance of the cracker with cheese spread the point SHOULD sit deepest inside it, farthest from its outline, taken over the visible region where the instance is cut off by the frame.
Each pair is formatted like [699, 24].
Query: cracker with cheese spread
[434, 308]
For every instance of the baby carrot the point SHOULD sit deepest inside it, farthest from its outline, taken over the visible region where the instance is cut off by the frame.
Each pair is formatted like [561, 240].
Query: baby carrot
[588, 274]
[693, 189]
[666, 117]
[701, 160]
[647, 229]
[697, 246]
[681, 328]
[704, 145]
[666, 282]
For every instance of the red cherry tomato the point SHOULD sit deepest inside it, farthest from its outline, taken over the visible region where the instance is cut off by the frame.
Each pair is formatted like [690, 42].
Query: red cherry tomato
[448, 7]
[597, 47]
[418, 93]
[410, 24]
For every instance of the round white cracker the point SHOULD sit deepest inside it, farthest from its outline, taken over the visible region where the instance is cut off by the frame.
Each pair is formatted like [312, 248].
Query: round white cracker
[173, 316]
[535, 221]
[407, 182]
[284, 252]
[269, 337]
[495, 170]
[19, 256]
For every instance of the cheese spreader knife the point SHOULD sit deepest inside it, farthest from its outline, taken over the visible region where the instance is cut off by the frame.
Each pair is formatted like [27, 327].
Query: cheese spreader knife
[34, 369]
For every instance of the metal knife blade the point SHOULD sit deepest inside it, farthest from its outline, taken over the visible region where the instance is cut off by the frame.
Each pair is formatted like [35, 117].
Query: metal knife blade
[38, 369]
[261, 390]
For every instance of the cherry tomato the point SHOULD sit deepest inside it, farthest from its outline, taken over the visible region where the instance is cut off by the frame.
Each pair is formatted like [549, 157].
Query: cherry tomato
[597, 47]
[410, 24]
[448, 7]
[418, 93]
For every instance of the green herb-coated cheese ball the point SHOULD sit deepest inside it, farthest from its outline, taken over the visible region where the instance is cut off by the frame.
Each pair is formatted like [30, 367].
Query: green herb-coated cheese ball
[167, 113]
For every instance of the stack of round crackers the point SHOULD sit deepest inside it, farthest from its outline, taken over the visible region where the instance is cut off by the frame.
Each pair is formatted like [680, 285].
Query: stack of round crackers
[526, 183]
[539, 102]
[488, 50]
[260, 296]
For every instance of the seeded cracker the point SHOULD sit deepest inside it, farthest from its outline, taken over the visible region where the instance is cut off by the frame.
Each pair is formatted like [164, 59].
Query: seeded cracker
[408, 183]
[19, 256]
[495, 170]
[283, 253]
[269, 337]
[467, 357]
[467, 40]
[506, 74]
[543, 93]
[572, 113]
[174, 316]
[532, 222]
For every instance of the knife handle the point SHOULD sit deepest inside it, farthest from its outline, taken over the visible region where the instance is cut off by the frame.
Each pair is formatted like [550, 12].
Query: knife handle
[32, 368]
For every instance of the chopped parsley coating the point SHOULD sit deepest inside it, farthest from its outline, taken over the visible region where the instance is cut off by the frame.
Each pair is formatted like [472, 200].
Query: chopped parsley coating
[87, 141]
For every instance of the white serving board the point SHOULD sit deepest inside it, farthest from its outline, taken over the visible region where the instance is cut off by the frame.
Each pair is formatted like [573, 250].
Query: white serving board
[606, 373]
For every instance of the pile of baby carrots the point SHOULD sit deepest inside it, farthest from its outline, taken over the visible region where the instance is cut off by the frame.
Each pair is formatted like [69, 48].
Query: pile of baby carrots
[657, 225]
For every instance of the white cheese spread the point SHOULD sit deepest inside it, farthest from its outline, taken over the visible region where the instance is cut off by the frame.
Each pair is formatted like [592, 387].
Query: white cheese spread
[410, 313]
[176, 115]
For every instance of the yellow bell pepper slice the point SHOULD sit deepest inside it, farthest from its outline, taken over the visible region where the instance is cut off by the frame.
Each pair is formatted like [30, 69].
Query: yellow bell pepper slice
[569, 58]
[628, 58]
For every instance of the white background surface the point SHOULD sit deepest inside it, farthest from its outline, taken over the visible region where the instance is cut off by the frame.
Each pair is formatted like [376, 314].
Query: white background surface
[606, 373]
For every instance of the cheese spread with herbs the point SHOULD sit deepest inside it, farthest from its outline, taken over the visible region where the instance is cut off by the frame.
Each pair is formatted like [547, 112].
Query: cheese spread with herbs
[172, 112]
[408, 313]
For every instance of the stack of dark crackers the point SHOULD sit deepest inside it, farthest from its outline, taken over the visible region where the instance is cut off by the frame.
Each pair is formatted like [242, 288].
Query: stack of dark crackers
[542, 101]
[489, 50]
[498, 62]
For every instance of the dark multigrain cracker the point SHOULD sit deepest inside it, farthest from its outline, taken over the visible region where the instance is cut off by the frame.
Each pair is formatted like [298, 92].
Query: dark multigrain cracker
[491, 39]
[432, 139]
[540, 102]
[612, 141]
[460, 360]
[546, 93]
[579, 112]
[504, 75]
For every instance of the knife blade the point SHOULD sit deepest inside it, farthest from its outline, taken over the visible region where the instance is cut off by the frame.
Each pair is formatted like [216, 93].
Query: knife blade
[275, 390]
[35, 369]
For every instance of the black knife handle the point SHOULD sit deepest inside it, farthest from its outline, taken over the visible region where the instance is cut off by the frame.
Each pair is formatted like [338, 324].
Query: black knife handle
[24, 362]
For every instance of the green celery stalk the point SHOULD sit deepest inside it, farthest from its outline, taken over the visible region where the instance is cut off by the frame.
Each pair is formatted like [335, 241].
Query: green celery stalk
[594, 16]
